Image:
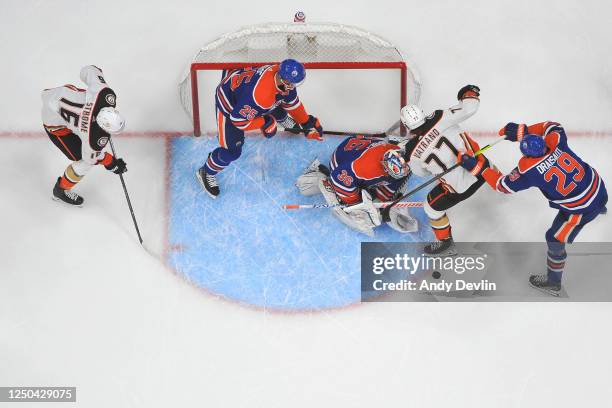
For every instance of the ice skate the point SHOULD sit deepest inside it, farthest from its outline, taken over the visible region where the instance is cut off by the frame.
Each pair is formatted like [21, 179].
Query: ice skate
[66, 196]
[208, 182]
[541, 283]
[446, 247]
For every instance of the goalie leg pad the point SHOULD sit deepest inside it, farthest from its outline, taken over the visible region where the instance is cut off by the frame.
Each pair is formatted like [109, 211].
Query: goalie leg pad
[402, 221]
[358, 220]
[367, 206]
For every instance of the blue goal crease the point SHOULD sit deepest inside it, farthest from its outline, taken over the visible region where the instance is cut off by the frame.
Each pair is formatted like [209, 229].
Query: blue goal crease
[244, 247]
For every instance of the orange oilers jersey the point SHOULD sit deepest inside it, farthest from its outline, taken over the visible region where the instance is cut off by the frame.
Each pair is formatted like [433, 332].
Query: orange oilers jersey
[356, 164]
[567, 182]
[246, 95]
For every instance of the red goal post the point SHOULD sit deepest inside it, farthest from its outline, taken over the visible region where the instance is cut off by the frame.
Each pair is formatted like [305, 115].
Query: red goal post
[317, 46]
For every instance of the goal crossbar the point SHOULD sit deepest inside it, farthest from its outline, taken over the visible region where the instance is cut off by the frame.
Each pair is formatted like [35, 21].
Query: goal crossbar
[207, 66]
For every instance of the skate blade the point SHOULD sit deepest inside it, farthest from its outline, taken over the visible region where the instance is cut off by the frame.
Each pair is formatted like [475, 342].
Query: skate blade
[551, 292]
[65, 203]
[451, 252]
[201, 181]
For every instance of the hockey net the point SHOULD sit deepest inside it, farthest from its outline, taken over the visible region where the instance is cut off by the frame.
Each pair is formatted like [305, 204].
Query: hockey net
[349, 70]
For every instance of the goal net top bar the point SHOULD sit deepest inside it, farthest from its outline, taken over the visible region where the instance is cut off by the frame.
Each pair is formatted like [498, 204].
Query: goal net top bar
[317, 45]
[312, 42]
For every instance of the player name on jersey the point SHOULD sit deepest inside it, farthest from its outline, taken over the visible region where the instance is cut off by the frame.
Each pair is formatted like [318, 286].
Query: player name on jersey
[549, 162]
[428, 139]
[85, 116]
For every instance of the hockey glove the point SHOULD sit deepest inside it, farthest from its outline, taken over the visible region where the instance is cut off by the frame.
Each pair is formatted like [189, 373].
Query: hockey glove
[513, 132]
[468, 91]
[475, 165]
[117, 166]
[313, 128]
[269, 127]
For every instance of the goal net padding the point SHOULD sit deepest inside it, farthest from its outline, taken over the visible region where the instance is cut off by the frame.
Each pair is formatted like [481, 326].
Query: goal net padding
[355, 81]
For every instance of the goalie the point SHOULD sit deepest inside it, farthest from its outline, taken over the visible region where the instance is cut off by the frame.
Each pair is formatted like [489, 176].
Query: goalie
[362, 169]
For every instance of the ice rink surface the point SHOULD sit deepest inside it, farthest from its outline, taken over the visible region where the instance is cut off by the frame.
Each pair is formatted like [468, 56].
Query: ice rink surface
[82, 304]
[244, 246]
[111, 319]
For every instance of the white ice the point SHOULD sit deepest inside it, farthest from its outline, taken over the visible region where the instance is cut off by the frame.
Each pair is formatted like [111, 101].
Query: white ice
[82, 304]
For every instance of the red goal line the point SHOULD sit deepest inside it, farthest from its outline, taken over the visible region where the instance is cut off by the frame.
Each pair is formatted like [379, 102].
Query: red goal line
[166, 133]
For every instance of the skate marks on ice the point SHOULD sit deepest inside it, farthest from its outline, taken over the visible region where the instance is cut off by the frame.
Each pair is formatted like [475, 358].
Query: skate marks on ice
[244, 247]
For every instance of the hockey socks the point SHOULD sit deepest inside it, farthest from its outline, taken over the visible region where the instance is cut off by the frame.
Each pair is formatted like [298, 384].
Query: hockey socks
[556, 263]
[69, 179]
[441, 227]
[219, 159]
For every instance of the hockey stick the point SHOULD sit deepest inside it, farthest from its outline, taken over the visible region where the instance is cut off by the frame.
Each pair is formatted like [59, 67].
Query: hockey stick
[336, 133]
[376, 205]
[431, 180]
[127, 197]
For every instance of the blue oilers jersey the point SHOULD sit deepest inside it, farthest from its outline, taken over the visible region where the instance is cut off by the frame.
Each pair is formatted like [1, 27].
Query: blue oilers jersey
[245, 95]
[356, 164]
[567, 182]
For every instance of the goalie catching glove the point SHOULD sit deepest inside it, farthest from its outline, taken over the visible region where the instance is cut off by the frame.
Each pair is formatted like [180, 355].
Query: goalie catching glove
[308, 182]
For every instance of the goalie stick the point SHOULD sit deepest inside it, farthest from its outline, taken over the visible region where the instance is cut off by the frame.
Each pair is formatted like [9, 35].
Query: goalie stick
[431, 180]
[376, 205]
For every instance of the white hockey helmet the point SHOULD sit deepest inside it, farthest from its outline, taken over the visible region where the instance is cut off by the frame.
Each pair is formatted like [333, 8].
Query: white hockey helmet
[412, 116]
[110, 120]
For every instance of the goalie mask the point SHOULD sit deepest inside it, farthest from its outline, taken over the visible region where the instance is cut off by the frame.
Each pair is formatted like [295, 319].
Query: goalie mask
[110, 120]
[394, 164]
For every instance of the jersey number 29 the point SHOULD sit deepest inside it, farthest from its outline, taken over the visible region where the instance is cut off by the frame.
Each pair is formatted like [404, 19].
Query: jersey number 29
[569, 164]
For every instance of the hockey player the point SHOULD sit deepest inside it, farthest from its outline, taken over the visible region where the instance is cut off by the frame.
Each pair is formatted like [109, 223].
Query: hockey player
[80, 122]
[569, 184]
[362, 169]
[251, 99]
[433, 149]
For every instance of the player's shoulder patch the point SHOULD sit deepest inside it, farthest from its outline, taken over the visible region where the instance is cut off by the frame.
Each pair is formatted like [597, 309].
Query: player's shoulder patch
[514, 174]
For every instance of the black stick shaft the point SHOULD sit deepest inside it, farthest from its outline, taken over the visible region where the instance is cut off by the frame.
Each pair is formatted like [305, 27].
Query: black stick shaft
[127, 196]
[337, 133]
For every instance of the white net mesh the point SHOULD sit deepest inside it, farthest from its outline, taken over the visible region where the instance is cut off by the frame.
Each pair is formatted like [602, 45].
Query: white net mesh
[306, 43]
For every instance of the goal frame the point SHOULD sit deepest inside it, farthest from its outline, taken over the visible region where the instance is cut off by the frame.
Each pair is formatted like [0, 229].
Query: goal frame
[209, 66]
